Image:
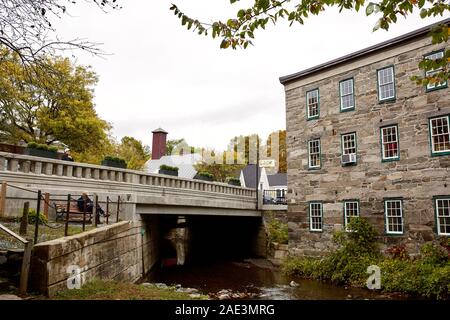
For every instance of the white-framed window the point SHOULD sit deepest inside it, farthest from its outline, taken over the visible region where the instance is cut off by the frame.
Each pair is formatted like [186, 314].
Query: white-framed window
[386, 84]
[348, 143]
[314, 153]
[443, 216]
[315, 216]
[430, 73]
[440, 135]
[347, 95]
[393, 211]
[389, 143]
[312, 104]
[351, 210]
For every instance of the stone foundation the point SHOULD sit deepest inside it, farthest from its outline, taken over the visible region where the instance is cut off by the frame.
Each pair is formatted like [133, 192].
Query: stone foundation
[124, 251]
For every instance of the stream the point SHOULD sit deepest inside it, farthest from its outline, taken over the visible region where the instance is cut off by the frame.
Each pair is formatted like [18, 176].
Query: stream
[256, 279]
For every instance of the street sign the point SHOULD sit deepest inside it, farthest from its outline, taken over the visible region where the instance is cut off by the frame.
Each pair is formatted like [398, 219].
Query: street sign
[267, 163]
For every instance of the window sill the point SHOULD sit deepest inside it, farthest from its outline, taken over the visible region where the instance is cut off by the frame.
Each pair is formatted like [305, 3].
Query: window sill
[439, 154]
[390, 100]
[390, 160]
[347, 110]
[436, 89]
[312, 118]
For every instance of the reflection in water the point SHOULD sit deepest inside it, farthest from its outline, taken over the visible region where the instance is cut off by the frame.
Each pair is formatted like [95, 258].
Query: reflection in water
[269, 283]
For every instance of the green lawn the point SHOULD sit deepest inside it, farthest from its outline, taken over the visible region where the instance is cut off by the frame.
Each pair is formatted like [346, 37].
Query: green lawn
[112, 290]
[45, 233]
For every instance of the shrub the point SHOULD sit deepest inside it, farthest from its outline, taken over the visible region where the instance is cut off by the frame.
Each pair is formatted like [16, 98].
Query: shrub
[278, 231]
[115, 159]
[397, 252]
[32, 145]
[32, 217]
[434, 254]
[168, 168]
[206, 174]
[53, 149]
[43, 147]
[233, 180]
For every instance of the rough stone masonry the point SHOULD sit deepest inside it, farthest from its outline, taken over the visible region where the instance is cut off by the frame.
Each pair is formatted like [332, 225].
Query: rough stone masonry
[415, 178]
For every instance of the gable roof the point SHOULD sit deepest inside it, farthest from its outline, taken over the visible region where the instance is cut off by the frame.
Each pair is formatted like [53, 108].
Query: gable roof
[278, 179]
[185, 164]
[249, 173]
[369, 50]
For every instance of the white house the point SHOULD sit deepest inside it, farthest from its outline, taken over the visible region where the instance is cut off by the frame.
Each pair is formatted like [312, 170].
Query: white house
[274, 186]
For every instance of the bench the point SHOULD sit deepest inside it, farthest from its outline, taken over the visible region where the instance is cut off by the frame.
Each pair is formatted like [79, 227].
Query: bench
[75, 215]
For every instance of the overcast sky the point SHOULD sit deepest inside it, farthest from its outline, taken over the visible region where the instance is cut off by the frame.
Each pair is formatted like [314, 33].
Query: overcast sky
[161, 75]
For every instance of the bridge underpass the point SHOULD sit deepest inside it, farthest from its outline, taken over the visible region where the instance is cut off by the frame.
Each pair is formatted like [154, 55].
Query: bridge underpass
[194, 219]
[195, 239]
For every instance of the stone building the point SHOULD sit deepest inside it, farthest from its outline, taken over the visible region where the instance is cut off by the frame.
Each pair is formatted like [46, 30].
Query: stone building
[365, 140]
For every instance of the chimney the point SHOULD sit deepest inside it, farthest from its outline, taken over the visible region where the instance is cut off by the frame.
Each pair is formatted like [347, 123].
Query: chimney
[159, 143]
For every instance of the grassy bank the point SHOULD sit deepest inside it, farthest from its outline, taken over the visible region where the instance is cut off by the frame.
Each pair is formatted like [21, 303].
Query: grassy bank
[427, 275]
[112, 290]
[45, 233]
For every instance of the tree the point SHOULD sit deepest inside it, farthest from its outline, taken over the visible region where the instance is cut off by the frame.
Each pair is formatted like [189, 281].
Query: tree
[220, 164]
[248, 145]
[177, 146]
[57, 107]
[281, 154]
[133, 152]
[26, 28]
[238, 32]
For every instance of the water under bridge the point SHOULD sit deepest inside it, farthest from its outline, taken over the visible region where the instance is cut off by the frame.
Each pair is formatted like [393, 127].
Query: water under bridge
[186, 218]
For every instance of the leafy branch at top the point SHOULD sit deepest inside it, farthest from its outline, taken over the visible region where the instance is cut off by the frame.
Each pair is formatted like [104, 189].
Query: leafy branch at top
[239, 32]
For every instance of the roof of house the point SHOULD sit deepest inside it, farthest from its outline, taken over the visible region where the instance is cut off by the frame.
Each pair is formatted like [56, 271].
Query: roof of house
[372, 49]
[278, 179]
[185, 164]
[249, 173]
[159, 130]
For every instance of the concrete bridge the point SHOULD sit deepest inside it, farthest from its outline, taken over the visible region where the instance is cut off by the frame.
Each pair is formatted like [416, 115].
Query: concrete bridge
[142, 193]
[182, 218]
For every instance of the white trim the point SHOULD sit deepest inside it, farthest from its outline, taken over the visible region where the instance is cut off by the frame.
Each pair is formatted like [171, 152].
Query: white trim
[354, 143]
[438, 225]
[387, 83]
[352, 94]
[431, 133]
[383, 143]
[345, 212]
[316, 91]
[318, 154]
[386, 217]
[316, 216]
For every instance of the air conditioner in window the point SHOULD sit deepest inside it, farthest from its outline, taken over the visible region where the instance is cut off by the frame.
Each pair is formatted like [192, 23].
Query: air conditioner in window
[349, 158]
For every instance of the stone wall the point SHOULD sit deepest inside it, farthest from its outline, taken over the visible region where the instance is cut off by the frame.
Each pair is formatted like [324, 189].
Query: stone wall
[123, 251]
[416, 177]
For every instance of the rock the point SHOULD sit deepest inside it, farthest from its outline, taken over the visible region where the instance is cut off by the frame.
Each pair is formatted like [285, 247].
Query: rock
[224, 297]
[293, 284]
[178, 286]
[195, 295]
[349, 296]
[190, 290]
[160, 285]
[223, 292]
[146, 284]
[9, 297]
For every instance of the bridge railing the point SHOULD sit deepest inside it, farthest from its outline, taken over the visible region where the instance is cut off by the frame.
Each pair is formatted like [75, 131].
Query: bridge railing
[11, 162]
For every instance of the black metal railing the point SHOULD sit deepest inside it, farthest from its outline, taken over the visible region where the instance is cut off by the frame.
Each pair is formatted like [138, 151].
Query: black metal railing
[277, 196]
